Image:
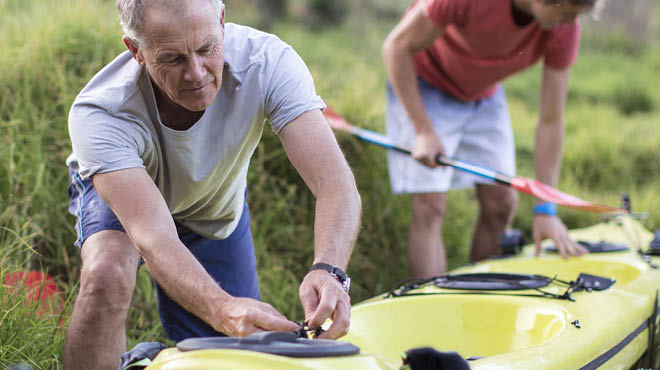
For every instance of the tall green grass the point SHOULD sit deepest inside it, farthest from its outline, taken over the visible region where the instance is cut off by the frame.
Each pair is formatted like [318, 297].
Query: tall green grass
[49, 49]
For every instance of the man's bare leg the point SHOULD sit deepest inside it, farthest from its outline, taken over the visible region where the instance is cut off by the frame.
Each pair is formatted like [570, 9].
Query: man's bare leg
[96, 336]
[496, 208]
[512, 213]
[426, 252]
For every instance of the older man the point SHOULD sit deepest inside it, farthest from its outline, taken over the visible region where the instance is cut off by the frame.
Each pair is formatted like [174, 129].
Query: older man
[445, 61]
[162, 138]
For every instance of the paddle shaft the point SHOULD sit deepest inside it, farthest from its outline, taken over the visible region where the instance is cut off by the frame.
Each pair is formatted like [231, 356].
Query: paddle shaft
[385, 142]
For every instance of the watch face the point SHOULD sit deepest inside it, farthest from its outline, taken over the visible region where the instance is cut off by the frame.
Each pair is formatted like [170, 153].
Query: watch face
[346, 284]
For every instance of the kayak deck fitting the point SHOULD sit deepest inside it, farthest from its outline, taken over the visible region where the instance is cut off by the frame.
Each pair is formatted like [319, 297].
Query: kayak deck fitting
[597, 311]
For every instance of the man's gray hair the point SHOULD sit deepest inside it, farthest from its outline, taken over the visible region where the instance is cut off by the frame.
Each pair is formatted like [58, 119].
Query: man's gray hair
[133, 12]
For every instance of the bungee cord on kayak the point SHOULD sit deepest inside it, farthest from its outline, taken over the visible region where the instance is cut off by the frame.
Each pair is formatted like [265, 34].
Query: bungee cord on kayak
[494, 283]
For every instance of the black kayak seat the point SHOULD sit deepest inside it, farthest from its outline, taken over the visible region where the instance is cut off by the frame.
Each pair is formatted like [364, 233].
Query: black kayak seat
[276, 343]
[511, 242]
[427, 358]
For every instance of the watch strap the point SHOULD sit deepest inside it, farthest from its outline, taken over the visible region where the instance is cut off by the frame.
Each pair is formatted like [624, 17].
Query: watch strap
[335, 271]
[331, 269]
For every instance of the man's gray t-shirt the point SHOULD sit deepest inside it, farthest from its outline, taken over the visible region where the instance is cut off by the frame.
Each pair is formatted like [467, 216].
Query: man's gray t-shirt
[201, 172]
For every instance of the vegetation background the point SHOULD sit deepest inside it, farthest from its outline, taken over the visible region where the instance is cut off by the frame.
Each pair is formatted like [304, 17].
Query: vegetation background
[49, 49]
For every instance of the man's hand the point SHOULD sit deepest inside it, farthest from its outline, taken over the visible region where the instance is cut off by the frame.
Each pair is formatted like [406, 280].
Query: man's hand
[427, 148]
[323, 297]
[551, 227]
[245, 316]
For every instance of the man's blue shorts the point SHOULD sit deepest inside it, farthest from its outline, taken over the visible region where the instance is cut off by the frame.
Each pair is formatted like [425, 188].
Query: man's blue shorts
[231, 261]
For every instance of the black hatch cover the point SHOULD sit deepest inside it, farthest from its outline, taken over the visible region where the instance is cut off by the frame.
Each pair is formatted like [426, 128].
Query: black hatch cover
[491, 281]
[276, 343]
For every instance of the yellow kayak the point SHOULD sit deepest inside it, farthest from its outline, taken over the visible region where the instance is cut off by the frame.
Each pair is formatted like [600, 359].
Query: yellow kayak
[534, 328]
[597, 311]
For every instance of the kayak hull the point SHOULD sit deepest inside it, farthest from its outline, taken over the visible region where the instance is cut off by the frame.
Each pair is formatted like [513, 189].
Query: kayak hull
[521, 329]
[228, 359]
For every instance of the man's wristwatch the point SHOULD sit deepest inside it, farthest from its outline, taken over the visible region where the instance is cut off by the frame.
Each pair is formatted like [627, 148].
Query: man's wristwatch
[336, 272]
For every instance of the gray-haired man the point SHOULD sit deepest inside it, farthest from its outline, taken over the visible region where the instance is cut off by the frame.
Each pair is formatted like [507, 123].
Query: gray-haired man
[162, 139]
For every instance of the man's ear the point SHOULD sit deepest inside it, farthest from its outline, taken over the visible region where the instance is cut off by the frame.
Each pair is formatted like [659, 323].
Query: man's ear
[222, 21]
[133, 48]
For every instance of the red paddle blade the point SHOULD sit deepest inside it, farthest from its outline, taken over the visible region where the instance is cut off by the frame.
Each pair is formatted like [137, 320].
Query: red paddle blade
[549, 194]
[336, 121]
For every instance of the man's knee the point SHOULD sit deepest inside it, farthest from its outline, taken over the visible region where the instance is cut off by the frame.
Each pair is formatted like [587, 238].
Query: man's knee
[431, 207]
[108, 274]
[106, 283]
[498, 204]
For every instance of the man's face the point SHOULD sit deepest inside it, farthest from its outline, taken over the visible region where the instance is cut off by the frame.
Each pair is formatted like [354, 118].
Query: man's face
[550, 14]
[185, 53]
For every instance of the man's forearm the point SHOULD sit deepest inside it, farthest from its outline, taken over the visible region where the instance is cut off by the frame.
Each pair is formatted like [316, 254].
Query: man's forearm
[550, 129]
[151, 229]
[184, 279]
[402, 76]
[415, 32]
[337, 223]
[548, 148]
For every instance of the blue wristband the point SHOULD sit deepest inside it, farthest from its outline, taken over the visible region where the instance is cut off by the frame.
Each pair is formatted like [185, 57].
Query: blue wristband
[548, 209]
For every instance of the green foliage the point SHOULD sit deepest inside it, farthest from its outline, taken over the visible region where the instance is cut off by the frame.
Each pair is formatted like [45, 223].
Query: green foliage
[615, 41]
[50, 49]
[30, 332]
[25, 336]
[323, 13]
[600, 78]
[632, 99]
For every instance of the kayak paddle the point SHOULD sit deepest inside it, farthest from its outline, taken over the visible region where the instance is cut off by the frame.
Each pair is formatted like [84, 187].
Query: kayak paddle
[533, 187]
